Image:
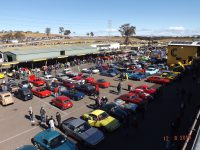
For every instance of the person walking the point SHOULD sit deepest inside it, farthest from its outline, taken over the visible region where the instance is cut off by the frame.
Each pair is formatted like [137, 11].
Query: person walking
[42, 115]
[56, 91]
[119, 88]
[52, 123]
[126, 74]
[58, 118]
[96, 91]
[30, 111]
[47, 122]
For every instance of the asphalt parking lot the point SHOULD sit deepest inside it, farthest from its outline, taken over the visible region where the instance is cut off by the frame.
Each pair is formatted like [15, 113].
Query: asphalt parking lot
[16, 128]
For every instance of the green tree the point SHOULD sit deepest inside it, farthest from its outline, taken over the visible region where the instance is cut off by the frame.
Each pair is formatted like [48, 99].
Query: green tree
[67, 32]
[19, 36]
[61, 30]
[127, 31]
[48, 31]
[88, 34]
[91, 34]
[7, 37]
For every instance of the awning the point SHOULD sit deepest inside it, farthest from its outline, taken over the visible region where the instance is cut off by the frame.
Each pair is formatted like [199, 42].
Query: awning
[39, 60]
[10, 63]
[80, 55]
[63, 57]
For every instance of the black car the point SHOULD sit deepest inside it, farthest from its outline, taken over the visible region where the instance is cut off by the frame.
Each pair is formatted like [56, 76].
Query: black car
[86, 88]
[25, 84]
[24, 94]
[115, 111]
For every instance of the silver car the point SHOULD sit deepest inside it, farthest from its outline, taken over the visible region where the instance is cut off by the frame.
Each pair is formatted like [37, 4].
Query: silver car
[82, 131]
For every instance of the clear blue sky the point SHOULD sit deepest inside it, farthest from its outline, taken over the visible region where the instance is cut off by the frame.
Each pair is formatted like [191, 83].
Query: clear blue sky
[151, 17]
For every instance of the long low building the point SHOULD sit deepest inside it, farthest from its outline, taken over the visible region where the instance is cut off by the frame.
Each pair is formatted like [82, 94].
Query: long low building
[16, 55]
[48, 52]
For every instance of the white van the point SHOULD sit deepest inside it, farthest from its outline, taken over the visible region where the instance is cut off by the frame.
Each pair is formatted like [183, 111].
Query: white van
[6, 98]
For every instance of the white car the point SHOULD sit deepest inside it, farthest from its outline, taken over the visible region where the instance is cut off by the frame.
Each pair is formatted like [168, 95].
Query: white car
[88, 70]
[82, 81]
[151, 70]
[48, 78]
[67, 70]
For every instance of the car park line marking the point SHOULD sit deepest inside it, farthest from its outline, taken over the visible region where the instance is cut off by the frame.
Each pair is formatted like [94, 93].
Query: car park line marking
[74, 110]
[12, 137]
[52, 106]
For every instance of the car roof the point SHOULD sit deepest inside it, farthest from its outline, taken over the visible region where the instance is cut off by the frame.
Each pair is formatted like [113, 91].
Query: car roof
[76, 122]
[97, 112]
[63, 98]
[48, 134]
[5, 93]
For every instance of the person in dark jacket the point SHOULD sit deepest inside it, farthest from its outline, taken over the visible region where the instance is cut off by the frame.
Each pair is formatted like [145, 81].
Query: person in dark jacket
[58, 118]
[119, 88]
[42, 115]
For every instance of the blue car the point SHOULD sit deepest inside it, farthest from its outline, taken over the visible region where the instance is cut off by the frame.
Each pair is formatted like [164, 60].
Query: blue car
[27, 147]
[137, 76]
[52, 140]
[73, 94]
[110, 72]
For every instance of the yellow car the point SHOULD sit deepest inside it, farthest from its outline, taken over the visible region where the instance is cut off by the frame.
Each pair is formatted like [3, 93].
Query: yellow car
[169, 76]
[9, 74]
[100, 119]
[2, 75]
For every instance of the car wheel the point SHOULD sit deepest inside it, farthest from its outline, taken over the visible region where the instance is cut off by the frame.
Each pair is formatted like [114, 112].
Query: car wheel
[35, 143]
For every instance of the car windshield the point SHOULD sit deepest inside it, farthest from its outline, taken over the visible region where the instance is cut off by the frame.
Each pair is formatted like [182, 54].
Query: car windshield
[66, 101]
[57, 141]
[82, 128]
[150, 69]
[26, 91]
[102, 116]
[101, 80]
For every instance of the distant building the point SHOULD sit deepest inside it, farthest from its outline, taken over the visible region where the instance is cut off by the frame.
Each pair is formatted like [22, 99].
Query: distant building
[109, 46]
[182, 51]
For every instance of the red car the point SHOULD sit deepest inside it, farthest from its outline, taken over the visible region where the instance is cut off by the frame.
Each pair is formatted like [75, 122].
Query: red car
[158, 79]
[41, 92]
[36, 81]
[62, 102]
[87, 78]
[131, 97]
[68, 84]
[101, 83]
[146, 89]
[143, 95]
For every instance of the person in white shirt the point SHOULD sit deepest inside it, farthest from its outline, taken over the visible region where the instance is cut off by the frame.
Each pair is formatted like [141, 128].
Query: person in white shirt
[51, 123]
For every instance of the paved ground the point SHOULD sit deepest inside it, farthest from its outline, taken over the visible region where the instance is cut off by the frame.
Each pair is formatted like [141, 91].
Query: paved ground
[16, 129]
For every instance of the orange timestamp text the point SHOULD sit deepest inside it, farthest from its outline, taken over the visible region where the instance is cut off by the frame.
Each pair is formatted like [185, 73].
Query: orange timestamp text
[177, 138]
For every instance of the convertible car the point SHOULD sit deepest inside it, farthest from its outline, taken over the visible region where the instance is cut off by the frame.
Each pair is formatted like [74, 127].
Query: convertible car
[146, 89]
[137, 76]
[101, 83]
[100, 119]
[115, 111]
[41, 92]
[73, 94]
[132, 98]
[157, 79]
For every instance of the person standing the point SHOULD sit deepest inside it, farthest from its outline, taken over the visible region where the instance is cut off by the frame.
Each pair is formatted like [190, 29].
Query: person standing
[58, 118]
[42, 115]
[96, 91]
[30, 111]
[126, 76]
[47, 122]
[119, 88]
[56, 91]
[52, 123]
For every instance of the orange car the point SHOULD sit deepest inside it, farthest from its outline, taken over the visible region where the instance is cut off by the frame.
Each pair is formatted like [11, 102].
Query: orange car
[101, 83]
